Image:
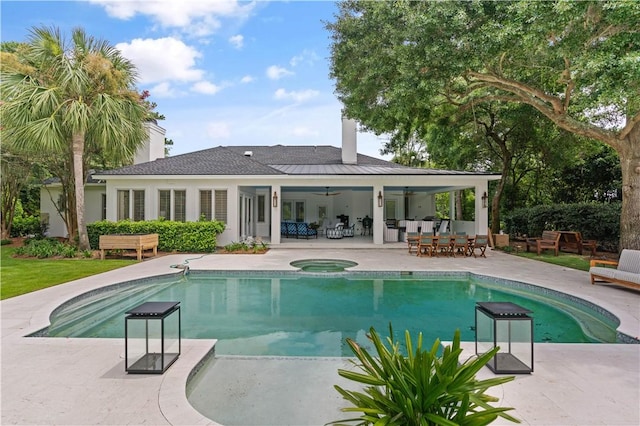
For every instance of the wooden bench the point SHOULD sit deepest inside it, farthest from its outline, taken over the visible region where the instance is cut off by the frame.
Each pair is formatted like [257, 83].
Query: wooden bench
[572, 240]
[550, 240]
[590, 245]
[137, 242]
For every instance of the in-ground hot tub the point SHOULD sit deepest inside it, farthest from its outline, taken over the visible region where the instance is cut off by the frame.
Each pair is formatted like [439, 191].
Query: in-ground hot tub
[323, 265]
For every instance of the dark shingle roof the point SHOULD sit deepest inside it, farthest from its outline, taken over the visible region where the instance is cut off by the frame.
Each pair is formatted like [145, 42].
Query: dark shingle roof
[271, 160]
[305, 155]
[231, 160]
[213, 161]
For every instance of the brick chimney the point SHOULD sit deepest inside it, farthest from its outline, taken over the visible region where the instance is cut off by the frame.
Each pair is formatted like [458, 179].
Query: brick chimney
[349, 143]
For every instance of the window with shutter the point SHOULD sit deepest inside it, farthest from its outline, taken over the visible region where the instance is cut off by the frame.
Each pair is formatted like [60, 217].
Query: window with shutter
[205, 204]
[221, 205]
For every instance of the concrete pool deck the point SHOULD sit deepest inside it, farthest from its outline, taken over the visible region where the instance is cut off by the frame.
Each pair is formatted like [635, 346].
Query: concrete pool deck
[82, 381]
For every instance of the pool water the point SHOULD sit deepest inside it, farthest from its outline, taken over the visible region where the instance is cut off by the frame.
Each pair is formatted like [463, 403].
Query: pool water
[312, 315]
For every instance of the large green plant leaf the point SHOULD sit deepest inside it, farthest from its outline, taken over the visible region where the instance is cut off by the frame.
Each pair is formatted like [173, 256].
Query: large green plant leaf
[421, 387]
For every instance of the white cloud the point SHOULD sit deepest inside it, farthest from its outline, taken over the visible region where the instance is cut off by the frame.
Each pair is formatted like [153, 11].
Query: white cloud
[206, 88]
[308, 57]
[237, 41]
[246, 79]
[299, 96]
[200, 17]
[163, 90]
[275, 72]
[162, 59]
[218, 130]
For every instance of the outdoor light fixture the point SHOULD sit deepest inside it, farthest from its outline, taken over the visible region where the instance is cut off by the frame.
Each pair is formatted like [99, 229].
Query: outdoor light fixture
[379, 198]
[275, 199]
[485, 197]
[152, 337]
[509, 327]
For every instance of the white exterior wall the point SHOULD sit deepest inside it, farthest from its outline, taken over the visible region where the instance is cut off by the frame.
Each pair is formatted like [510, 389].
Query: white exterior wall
[355, 203]
[57, 227]
[192, 188]
[48, 213]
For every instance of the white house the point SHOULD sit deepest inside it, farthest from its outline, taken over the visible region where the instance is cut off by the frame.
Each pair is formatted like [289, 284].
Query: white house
[253, 189]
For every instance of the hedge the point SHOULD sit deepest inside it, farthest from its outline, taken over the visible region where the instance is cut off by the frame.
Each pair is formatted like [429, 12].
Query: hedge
[596, 221]
[192, 237]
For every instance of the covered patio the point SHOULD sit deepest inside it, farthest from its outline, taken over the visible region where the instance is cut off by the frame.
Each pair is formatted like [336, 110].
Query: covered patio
[396, 202]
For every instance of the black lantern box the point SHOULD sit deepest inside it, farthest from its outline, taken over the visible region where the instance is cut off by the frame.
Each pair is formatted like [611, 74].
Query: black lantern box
[152, 337]
[508, 326]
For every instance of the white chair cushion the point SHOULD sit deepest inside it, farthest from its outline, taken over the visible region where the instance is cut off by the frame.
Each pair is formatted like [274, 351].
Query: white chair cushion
[627, 276]
[629, 261]
[602, 271]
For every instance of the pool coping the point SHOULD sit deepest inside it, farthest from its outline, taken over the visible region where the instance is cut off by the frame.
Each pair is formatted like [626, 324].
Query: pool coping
[26, 314]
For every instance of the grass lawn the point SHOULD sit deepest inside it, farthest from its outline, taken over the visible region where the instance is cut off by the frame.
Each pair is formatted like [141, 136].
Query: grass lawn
[19, 276]
[569, 260]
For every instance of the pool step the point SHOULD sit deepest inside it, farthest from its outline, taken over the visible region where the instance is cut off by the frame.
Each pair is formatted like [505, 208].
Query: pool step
[78, 318]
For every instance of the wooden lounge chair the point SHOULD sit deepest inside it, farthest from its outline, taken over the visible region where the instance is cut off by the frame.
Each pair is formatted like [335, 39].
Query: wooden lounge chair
[550, 240]
[426, 245]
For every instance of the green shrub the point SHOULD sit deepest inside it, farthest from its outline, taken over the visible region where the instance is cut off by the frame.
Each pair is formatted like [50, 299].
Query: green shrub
[26, 225]
[596, 221]
[420, 388]
[249, 245]
[193, 237]
[45, 248]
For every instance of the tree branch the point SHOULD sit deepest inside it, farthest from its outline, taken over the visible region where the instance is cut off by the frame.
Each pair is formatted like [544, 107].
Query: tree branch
[551, 107]
[631, 123]
[569, 82]
[517, 88]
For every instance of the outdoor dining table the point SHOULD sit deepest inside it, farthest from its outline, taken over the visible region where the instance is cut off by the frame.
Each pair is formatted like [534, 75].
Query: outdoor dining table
[414, 241]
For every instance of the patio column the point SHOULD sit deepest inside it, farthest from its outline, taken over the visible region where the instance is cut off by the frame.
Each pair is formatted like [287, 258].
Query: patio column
[452, 209]
[482, 213]
[378, 215]
[275, 201]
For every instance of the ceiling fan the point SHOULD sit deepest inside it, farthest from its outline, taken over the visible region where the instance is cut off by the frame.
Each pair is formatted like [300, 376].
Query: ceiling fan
[405, 192]
[327, 193]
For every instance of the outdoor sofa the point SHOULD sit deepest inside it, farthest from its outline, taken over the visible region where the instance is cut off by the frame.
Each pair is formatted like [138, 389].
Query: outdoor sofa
[625, 272]
[297, 230]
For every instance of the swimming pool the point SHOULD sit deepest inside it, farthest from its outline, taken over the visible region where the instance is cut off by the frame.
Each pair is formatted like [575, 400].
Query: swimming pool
[300, 314]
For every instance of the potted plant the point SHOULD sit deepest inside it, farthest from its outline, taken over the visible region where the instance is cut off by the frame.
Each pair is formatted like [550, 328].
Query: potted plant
[421, 388]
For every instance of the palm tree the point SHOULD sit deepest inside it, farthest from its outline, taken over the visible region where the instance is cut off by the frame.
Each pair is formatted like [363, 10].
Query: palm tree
[73, 96]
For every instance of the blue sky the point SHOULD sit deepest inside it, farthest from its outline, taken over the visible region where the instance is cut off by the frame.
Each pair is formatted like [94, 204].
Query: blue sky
[222, 72]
